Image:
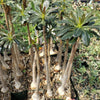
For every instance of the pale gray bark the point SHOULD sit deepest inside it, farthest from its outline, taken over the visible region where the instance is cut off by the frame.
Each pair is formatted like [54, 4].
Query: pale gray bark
[67, 73]
[49, 92]
[16, 61]
[6, 57]
[4, 88]
[4, 65]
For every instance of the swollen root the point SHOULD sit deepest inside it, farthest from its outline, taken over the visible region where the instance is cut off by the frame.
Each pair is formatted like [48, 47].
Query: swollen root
[57, 68]
[61, 91]
[33, 85]
[49, 93]
[4, 89]
[52, 52]
[17, 84]
[35, 96]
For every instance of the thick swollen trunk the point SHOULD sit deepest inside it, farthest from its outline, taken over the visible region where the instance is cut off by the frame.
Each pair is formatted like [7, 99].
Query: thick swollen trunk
[60, 53]
[15, 58]
[65, 55]
[18, 57]
[14, 48]
[38, 64]
[16, 77]
[49, 92]
[29, 42]
[67, 72]
[49, 60]
[38, 69]
[4, 88]
[33, 84]
[36, 96]
[4, 65]
[58, 67]
[65, 59]
[52, 52]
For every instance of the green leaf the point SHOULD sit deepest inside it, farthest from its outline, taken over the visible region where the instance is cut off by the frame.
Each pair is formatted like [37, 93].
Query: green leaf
[74, 17]
[83, 18]
[33, 6]
[73, 40]
[67, 36]
[77, 32]
[34, 19]
[30, 46]
[85, 38]
[95, 33]
[67, 21]
[62, 32]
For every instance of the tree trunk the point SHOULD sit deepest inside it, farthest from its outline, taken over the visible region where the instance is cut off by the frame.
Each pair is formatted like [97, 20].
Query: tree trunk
[60, 53]
[38, 69]
[24, 4]
[16, 77]
[18, 56]
[58, 67]
[65, 57]
[14, 48]
[36, 96]
[49, 92]
[67, 72]
[38, 63]
[33, 84]
[15, 58]
[29, 42]
[52, 52]
[49, 60]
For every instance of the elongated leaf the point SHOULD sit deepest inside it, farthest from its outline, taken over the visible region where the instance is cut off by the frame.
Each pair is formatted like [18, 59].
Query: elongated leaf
[73, 40]
[52, 10]
[33, 6]
[34, 19]
[18, 6]
[95, 33]
[93, 27]
[74, 17]
[6, 44]
[62, 32]
[77, 32]
[67, 36]
[2, 33]
[67, 21]
[89, 18]
[83, 18]
[85, 38]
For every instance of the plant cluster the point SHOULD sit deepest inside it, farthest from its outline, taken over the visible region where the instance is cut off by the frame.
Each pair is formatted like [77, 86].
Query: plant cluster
[33, 27]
